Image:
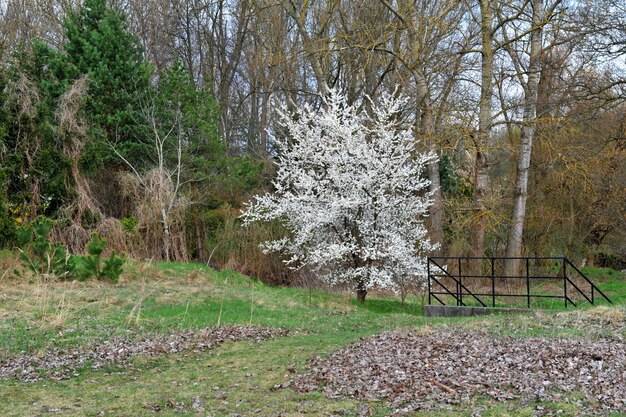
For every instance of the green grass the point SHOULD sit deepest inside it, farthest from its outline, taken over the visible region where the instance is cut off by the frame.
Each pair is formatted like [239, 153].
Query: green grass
[235, 377]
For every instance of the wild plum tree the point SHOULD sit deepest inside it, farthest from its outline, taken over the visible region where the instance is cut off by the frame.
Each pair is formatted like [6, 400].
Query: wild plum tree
[351, 193]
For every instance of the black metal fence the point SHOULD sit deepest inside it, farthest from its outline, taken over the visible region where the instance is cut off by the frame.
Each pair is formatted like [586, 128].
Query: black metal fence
[481, 281]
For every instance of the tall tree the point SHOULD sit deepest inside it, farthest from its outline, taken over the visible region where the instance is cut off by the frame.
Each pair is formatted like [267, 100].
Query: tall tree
[100, 46]
[485, 120]
[432, 56]
[314, 37]
[35, 169]
[529, 73]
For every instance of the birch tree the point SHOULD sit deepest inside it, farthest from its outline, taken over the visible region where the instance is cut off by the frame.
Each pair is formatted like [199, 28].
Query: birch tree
[181, 147]
[528, 73]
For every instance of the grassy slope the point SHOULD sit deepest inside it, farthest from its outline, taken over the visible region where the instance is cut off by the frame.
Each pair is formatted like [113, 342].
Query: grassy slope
[234, 378]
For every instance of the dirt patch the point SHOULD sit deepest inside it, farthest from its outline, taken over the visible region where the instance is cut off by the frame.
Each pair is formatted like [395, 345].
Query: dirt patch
[62, 364]
[420, 371]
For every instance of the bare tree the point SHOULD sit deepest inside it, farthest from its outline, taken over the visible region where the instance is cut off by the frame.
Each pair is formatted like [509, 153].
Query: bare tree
[528, 74]
[431, 27]
[314, 37]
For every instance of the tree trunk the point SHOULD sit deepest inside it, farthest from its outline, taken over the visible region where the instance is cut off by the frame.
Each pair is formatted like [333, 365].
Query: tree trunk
[312, 52]
[481, 179]
[166, 235]
[436, 210]
[360, 294]
[197, 227]
[427, 128]
[514, 243]
[484, 126]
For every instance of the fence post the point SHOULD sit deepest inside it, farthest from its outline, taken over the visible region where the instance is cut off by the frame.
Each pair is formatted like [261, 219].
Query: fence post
[528, 281]
[458, 288]
[429, 284]
[493, 283]
[564, 283]
[592, 299]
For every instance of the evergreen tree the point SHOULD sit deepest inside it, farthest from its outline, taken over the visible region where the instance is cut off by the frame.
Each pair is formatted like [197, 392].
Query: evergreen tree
[205, 156]
[99, 45]
[197, 113]
[7, 229]
[34, 167]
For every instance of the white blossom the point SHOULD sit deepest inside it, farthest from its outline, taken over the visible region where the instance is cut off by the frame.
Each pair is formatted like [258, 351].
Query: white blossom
[351, 193]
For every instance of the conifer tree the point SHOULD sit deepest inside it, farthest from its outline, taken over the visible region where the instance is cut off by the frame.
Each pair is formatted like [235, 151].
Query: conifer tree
[100, 46]
[33, 165]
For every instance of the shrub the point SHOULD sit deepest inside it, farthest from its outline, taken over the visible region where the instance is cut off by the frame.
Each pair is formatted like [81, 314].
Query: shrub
[93, 264]
[7, 226]
[44, 258]
[39, 254]
[129, 224]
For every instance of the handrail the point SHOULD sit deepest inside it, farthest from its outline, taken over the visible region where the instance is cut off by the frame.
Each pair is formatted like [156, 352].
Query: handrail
[499, 257]
[448, 291]
[461, 285]
[435, 277]
[578, 289]
[594, 286]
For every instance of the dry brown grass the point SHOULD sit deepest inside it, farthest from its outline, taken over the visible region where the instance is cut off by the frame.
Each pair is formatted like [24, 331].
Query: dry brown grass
[49, 304]
[601, 315]
[44, 303]
[9, 262]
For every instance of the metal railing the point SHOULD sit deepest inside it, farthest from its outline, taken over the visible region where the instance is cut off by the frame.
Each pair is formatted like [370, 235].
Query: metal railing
[482, 281]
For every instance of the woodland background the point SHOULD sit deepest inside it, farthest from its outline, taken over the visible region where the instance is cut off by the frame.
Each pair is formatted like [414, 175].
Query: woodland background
[151, 123]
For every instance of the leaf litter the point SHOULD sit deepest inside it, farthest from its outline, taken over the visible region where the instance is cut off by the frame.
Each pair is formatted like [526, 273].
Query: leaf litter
[418, 370]
[58, 364]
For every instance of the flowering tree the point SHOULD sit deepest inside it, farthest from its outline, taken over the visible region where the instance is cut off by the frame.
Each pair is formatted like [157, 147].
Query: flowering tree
[350, 192]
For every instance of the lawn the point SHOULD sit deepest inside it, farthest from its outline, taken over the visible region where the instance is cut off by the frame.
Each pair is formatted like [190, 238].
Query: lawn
[235, 378]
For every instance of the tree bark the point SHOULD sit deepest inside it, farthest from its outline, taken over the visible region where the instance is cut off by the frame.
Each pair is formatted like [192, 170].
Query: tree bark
[436, 210]
[484, 125]
[514, 243]
[427, 127]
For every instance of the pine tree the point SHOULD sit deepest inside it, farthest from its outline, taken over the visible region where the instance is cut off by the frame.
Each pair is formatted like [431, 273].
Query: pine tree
[99, 45]
[197, 111]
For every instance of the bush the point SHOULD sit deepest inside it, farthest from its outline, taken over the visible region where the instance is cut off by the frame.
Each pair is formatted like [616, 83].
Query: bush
[234, 247]
[42, 257]
[7, 226]
[93, 264]
[129, 224]
[39, 254]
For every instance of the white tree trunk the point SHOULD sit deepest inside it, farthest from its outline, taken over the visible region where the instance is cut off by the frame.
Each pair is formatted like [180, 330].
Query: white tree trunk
[514, 243]
[484, 125]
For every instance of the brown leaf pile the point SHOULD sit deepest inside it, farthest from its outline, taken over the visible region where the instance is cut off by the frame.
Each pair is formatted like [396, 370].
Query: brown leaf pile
[61, 364]
[418, 371]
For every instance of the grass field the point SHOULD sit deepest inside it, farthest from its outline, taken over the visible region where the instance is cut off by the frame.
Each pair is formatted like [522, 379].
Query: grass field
[236, 378]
